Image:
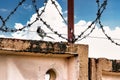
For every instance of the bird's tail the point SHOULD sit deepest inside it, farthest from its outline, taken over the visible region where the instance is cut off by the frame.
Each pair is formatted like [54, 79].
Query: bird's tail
[50, 37]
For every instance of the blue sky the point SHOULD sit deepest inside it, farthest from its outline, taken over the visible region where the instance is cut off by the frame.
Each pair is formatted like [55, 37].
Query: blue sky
[84, 10]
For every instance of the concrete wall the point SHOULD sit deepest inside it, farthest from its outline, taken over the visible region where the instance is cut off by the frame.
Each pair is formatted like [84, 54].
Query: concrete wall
[33, 68]
[104, 69]
[111, 76]
[30, 60]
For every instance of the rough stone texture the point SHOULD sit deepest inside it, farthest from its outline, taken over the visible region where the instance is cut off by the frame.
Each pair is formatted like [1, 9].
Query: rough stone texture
[102, 68]
[83, 61]
[106, 65]
[14, 44]
[32, 45]
[70, 61]
[74, 59]
[92, 69]
[116, 65]
[82, 51]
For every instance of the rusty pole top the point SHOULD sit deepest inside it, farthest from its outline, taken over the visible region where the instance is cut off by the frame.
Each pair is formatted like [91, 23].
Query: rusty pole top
[71, 21]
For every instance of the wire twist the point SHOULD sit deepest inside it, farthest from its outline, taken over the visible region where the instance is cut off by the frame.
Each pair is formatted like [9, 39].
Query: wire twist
[101, 8]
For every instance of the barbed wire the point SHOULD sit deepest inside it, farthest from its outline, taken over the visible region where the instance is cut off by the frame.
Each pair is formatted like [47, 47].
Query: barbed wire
[45, 23]
[5, 28]
[108, 37]
[101, 7]
[100, 10]
[53, 2]
[96, 37]
[51, 29]
[88, 33]
[14, 10]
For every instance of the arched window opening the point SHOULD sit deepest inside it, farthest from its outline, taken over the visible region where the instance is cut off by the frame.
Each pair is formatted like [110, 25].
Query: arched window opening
[50, 75]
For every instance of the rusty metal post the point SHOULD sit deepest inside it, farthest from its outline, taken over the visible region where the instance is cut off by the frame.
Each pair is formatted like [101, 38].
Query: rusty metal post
[71, 21]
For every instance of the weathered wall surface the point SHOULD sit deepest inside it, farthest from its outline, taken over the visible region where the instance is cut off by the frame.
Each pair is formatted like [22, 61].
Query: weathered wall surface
[30, 60]
[104, 69]
[33, 45]
[111, 76]
[32, 68]
[13, 67]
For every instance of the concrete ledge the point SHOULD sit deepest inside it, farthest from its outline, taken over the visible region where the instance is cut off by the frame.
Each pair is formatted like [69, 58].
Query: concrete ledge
[35, 47]
[32, 45]
[17, 53]
[111, 73]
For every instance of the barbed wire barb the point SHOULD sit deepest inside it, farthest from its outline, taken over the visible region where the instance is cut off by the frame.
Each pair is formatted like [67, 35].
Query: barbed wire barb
[101, 6]
[53, 2]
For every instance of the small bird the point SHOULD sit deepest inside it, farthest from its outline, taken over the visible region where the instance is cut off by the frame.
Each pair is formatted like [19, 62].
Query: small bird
[42, 33]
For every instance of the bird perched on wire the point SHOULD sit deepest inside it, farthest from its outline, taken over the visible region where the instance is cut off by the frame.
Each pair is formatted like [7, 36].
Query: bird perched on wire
[42, 33]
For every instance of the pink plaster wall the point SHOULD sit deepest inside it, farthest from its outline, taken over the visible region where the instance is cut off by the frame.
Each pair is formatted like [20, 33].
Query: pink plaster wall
[73, 68]
[35, 68]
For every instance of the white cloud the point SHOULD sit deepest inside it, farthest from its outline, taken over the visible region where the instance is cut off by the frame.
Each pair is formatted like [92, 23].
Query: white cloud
[51, 17]
[101, 47]
[27, 6]
[2, 36]
[18, 25]
[3, 10]
[81, 23]
[65, 12]
[98, 47]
